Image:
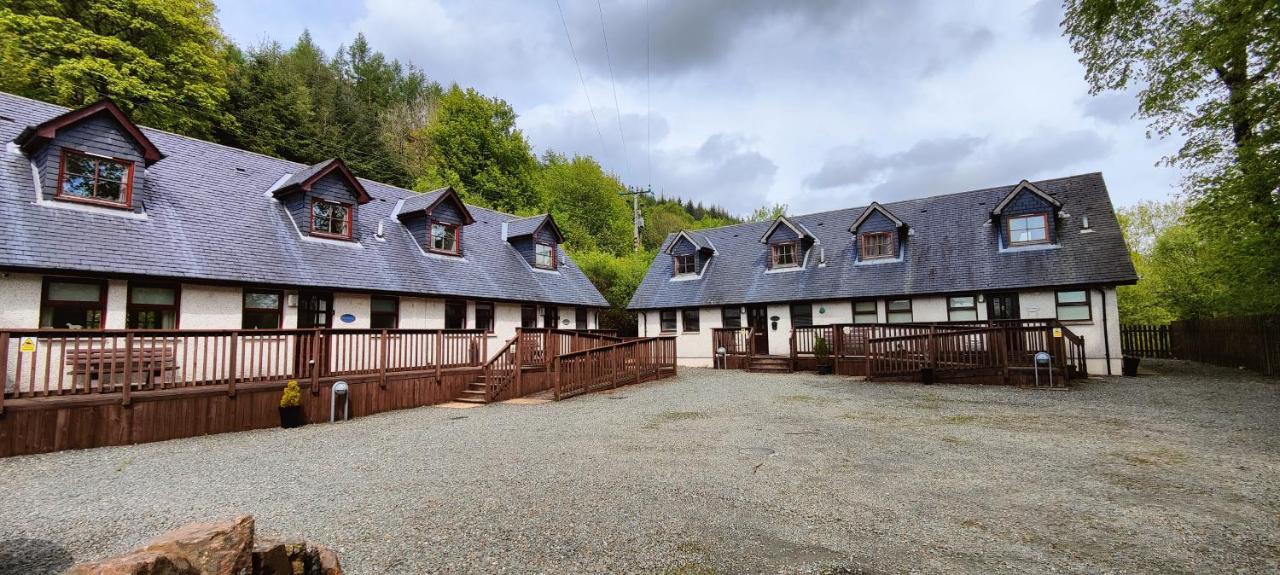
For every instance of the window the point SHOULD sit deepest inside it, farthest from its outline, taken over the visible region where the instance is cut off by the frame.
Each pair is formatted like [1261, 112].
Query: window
[330, 219]
[152, 307]
[801, 315]
[484, 316]
[690, 318]
[784, 255]
[1030, 229]
[261, 310]
[865, 312]
[684, 264]
[731, 317]
[550, 317]
[667, 318]
[444, 238]
[384, 312]
[580, 317]
[95, 179]
[529, 316]
[74, 304]
[877, 245]
[544, 256]
[962, 308]
[455, 314]
[1074, 305]
[899, 310]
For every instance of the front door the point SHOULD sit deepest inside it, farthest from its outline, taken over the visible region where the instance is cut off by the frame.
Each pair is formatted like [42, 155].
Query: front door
[1002, 306]
[758, 321]
[315, 309]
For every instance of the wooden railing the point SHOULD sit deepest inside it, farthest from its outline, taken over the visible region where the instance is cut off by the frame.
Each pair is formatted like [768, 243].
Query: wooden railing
[737, 345]
[538, 346]
[47, 363]
[1145, 340]
[612, 365]
[997, 350]
[502, 370]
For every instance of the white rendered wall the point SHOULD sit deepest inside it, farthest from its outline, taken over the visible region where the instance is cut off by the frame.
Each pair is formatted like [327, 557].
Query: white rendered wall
[210, 307]
[21, 296]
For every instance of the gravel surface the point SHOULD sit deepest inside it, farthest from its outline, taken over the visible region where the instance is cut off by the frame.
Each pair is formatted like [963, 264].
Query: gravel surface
[717, 472]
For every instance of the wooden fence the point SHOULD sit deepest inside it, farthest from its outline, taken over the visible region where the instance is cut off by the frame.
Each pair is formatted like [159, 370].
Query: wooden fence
[1251, 342]
[1002, 352]
[1145, 340]
[610, 366]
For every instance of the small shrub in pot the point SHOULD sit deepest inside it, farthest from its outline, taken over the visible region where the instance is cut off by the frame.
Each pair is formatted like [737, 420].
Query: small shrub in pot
[291, 406]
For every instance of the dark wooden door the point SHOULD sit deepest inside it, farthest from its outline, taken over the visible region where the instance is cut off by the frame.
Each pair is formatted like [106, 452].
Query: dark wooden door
[315, 309]
[1002, 306]
[758, 321]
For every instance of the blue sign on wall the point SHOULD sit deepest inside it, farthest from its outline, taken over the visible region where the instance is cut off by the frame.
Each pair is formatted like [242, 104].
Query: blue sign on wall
[347, 318]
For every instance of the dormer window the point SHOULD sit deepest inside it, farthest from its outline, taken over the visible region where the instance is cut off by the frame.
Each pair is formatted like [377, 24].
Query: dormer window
[785, 254]
[95, 179]
[544, 256]
[1028, 229]
[444, 238]
[877, 245]
[684, 264]
[331, 219]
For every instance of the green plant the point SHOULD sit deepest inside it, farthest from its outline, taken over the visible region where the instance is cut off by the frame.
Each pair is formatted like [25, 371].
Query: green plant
[292, 395]
[821, 350]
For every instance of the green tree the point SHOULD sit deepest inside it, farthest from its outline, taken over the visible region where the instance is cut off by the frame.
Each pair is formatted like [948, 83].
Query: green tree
[1143, 225]
[474, 146]
[586, 203]
[768, 213]
[160, 60]
[1206, 70]
[617, 278]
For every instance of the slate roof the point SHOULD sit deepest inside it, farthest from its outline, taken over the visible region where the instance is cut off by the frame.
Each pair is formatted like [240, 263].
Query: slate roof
[952, 249]
[525, 226]
[423, 201]
[209, 217]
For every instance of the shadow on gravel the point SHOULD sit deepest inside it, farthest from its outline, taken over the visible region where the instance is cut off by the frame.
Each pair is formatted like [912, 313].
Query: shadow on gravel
[33, 557]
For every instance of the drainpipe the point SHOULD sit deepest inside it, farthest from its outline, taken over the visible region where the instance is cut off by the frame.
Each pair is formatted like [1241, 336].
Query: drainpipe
[1106, 331]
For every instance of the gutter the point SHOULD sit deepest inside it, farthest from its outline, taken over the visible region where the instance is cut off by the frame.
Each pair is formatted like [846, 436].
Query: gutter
[1106, 331]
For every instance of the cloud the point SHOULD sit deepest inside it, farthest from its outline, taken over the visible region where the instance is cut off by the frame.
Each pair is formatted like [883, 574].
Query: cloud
[855, 165]
[725, 170]
[1044, 17]
[1116, 108]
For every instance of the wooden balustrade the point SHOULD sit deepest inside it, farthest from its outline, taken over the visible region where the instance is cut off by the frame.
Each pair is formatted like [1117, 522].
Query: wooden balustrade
[45, 363]
[610, 366]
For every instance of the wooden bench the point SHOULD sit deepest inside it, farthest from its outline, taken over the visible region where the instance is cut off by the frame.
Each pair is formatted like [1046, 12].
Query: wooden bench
[94, 364]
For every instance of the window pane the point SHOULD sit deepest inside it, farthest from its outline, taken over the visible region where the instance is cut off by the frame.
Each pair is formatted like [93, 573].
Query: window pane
[455, 315]
[731, 317]
[529, 316]
[80, 165]
[668, 319]
[384, 304]
[260, 319]
[111, 171]
[73, 316]
[964, 315]
[153, 295]
[1072, 297]
[79, 186]
[484, 316]
[691, 320]
[900, 305]
[864, 307]
[966, 301]
[864, 318]
[801, 315]
[900, 317]
[112, 191]
[442, 237]
[261, 300]
[152, 319]
[68, 291]
[543, 256]
[1073, 312]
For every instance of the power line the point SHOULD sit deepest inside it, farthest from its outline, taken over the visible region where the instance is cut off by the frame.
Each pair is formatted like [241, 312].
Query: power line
[603, 148]
[648, 105]
[626, 161]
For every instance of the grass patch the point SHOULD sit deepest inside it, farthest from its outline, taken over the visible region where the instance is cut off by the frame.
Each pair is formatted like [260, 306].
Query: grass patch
[953, 440]
[960, 419]
[973, 524]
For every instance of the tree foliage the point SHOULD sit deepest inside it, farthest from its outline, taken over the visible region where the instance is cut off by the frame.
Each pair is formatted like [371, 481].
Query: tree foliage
[1205, 70]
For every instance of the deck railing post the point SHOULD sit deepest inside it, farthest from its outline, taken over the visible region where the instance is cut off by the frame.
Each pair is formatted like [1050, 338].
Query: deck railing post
[931, 348]
[382, 361]
[4, 367]
[128, 369]
[519, 375]
[232, 350]
[439, 356]
[314, 361]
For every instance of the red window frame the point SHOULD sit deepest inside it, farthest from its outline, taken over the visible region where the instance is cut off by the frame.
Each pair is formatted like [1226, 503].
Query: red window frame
[1044, 221]
[775, 249]
[555, 263]
[431, 237]
[125, 202]
[890, 249]
[101, 306]
[131, 308]
[684, 264]
[350, 217]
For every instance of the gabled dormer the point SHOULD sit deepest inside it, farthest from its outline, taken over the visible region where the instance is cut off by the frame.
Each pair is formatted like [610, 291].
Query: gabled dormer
[690, 252]
[878, 235]
[537, 239]
[93, 155]
[323, 199]
[788, 242]
[435, 219]
[1027, 216]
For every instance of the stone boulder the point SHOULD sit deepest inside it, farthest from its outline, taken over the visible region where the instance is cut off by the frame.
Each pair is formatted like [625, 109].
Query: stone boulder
[224, 548]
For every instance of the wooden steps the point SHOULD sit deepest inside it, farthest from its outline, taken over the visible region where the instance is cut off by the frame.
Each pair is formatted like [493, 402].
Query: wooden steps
[770, 364]
[474, 392]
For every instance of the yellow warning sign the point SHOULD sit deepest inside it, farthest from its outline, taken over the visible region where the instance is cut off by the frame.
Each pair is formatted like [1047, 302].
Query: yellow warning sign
[1057, 332]
[28, 344]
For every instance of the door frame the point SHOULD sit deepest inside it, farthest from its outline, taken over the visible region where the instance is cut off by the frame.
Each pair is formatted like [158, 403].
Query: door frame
[991, 298]
[760, 338]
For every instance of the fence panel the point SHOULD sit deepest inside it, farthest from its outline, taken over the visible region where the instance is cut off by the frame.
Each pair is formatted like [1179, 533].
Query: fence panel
[1251, 342]
[1145, 340]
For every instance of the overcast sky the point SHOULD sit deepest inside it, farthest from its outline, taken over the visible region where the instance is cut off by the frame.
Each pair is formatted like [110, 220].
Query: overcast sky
[819, 105]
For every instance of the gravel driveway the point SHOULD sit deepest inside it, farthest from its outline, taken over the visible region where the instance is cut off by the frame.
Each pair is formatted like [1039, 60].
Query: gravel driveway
[717, 472]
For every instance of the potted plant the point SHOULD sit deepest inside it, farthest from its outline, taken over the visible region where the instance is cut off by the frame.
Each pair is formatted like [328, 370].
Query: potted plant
[823, 353]
[291, 406]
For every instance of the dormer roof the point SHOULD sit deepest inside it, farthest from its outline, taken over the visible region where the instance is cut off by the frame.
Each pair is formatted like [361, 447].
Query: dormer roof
[795, 226]
[35, 137]
[871, 209]
[1027, 187]
[425, 203]
[699, 241]
[304, 179]
[525, 227]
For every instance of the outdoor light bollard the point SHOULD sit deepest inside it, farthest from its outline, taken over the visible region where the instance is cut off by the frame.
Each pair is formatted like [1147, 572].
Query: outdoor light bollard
[1043, 358]
[339, 388]
[721, 356]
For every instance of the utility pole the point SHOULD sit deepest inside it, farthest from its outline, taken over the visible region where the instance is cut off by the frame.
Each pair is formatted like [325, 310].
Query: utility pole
[637, 220]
